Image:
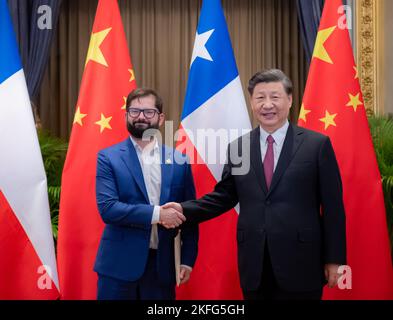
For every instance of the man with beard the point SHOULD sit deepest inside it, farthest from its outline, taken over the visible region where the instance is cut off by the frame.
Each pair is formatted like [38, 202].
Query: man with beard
[135, 259]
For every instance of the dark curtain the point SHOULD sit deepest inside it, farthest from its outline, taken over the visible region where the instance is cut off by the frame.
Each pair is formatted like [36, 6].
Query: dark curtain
[34, 41]
[309, 15]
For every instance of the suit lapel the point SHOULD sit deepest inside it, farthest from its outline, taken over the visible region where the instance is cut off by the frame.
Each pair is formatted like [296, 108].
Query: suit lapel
[131, 160]
[166, 173]
[292, 142]
[256, 158]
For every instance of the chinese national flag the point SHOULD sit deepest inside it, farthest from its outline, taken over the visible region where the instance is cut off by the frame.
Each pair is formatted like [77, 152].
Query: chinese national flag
[99, 122]
[333, 105]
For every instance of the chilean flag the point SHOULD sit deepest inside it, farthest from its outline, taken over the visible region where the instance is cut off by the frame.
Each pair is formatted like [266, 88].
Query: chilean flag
[214, 114]
[27, 255]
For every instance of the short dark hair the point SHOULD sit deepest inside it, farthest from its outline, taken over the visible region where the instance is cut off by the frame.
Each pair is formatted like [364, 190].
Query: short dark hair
[144, 92]
[270, 75]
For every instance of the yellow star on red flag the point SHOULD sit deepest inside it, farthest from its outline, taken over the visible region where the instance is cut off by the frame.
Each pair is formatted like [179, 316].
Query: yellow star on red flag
[124, 105]
[319, 49]
[354, 101]
[104, 123]
[328, 120]
[132, 75]
[356, 72]
[94, 53]
[79, 116]
[303, 113]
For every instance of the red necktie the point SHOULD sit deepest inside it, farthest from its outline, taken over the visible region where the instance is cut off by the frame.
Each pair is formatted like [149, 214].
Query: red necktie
[268, 162]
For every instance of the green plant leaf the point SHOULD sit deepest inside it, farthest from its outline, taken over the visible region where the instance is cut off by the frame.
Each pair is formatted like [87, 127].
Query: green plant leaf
[53, 152]
[381, 128]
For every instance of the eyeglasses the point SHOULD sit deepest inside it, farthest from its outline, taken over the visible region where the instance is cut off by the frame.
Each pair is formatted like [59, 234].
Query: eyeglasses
[148, 113]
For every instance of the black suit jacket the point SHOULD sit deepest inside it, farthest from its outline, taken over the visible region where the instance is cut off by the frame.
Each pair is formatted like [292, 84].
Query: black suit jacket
[301, 216]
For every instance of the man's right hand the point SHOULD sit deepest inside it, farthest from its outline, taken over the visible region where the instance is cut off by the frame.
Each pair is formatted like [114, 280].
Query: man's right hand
[171, 216]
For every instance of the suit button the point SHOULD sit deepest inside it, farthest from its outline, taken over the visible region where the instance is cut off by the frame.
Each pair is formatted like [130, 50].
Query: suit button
[268, 202]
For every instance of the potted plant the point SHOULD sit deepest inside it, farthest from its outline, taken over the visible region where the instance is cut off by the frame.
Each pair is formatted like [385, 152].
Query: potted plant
[53, 153]
[381, 128]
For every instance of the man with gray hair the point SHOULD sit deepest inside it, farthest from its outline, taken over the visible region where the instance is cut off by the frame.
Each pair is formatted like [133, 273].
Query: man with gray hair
[291, 227]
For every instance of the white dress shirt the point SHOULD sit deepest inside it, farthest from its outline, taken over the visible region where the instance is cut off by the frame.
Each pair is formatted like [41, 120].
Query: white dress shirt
[279, 137]
[150, 161]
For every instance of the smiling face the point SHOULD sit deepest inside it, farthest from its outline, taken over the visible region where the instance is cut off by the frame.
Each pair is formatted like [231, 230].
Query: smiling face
[138, 125]
[270, 105]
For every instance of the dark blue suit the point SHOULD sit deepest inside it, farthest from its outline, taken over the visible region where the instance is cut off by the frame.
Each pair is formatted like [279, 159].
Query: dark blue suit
[124, 207]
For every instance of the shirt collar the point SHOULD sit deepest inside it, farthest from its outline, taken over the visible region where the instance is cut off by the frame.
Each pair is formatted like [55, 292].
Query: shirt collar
[278, 135]
[139, 149]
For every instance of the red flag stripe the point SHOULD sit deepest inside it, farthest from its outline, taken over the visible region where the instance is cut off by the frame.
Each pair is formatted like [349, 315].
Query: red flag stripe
[23, 267]
[217, 262]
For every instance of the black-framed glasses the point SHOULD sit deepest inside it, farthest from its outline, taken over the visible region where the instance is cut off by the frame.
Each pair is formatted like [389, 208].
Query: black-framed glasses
[148, 113]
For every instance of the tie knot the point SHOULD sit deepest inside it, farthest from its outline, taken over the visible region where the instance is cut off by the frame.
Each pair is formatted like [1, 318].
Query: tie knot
[270, 139]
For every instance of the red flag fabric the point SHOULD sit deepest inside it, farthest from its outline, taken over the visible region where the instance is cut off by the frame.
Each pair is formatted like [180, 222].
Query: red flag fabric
[333, 105]
[99, 122]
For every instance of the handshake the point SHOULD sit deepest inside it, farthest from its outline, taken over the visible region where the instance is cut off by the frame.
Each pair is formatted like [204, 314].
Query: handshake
[171, 215]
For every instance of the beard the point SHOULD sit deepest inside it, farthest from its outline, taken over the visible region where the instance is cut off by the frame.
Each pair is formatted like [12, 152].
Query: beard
[137, 129]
